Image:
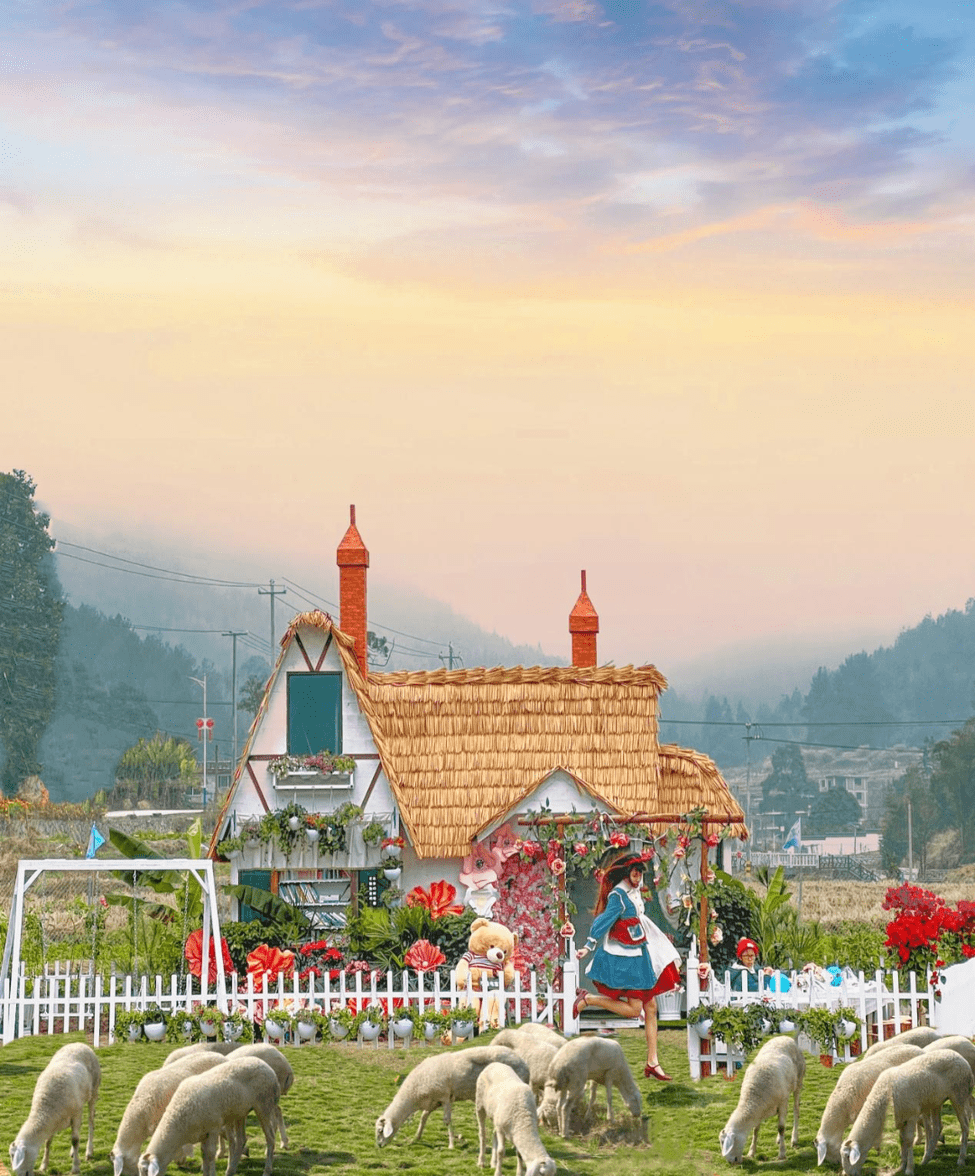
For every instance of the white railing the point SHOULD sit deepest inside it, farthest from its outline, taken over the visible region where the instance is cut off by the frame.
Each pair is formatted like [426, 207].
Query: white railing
[66, 1000]
[883, 1004]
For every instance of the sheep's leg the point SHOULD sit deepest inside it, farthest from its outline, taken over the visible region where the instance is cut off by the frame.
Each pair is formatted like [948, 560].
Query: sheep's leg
[907, 1132]
[423, 1122]
[447, 1111]
[208, 1153]
[961, 1112]
[498, 1151]
[281, 1130]
[269, 1123]
[235, 1138]
[609, 1099]
[754, 1147]
[481, 1136]
[42, 1166]
[783, 1112]
[932, 1134]
[90, 1149]
[75, 1141]
[564, 1113]
[795, 1116]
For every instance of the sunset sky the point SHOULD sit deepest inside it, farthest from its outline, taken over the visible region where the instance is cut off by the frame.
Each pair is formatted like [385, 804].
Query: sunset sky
[679, 293]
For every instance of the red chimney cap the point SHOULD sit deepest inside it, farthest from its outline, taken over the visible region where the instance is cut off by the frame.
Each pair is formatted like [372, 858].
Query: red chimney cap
[352, 551]
[583, 618]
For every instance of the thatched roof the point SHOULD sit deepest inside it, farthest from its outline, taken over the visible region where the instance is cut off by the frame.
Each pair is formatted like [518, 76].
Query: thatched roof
[462, 747]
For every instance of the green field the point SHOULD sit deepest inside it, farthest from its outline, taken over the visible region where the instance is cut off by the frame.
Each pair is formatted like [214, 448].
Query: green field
[341, 1089]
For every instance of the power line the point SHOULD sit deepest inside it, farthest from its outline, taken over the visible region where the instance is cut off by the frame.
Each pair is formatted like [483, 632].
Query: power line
[211, 581]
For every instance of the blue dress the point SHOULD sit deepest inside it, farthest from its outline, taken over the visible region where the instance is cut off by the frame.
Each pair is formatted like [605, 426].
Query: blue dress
[642, 969]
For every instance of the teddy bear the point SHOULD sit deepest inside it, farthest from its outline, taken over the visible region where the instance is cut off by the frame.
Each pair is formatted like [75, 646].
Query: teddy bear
[490, 948]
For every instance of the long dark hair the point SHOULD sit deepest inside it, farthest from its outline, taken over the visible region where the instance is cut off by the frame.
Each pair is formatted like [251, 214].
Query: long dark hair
[614, 873]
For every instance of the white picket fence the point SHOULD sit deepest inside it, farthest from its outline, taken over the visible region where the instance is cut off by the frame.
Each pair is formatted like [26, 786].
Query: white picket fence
[66, 1000]
[883, 1004]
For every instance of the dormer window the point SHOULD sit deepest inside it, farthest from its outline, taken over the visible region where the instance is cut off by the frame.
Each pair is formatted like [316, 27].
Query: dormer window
[314, 713]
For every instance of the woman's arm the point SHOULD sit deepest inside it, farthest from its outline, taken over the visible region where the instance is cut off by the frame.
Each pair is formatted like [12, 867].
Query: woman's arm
[615, 907]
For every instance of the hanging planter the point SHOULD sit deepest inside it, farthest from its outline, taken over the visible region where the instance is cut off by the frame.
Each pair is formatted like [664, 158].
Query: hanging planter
[232, 1032]
[273, 1029]
[703, 1027]
[312, 835]
[294, 823]
[787, 1026]
[337, 1029]
[370, 1031]
[135, 1032]
[392, 873]
[155, 1031]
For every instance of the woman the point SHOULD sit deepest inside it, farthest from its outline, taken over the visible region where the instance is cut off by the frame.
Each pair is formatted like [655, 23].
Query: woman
[632, 958]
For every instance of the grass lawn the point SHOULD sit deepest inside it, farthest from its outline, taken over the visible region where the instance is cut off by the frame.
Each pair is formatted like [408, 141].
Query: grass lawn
[340, 1090]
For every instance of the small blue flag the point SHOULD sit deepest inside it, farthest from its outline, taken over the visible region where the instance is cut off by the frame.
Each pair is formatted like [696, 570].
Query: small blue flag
[795, 836]
[95, 839]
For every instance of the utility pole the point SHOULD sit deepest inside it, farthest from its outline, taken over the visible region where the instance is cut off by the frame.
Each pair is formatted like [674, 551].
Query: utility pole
[910, 842]
[448, 657]
[234, 634]
[272, 592]
[204, 729]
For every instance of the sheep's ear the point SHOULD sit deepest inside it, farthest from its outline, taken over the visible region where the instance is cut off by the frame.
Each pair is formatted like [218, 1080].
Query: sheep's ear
[387, 1129]
[821, 1152]
[854, 1153]
[117, 1164]
[153, 1169]
[727, 1140]
[18, 1156]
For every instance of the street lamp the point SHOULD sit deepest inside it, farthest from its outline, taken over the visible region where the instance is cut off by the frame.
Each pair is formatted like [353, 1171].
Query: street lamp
[204, 731]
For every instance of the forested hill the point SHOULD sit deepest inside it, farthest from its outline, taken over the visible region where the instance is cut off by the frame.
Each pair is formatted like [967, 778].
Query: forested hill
[875, 699]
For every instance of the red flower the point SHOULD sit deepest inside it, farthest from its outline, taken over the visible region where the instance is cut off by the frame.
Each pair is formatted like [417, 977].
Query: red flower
[265, 964]
[439, 900]
[424, 957]
[193, 952]
[619, 840]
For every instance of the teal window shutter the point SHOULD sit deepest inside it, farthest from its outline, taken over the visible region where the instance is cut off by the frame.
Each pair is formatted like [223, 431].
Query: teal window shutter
[314, 713]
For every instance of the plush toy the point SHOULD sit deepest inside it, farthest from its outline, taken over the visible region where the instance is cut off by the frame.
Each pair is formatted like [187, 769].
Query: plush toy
[490, 947]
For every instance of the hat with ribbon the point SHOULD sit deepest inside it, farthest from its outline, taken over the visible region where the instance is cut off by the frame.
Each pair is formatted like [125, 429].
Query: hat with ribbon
[746, 944]
[618, 869]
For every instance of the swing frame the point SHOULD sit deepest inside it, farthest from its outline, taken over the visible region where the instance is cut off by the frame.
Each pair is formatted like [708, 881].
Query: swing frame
[30, 869]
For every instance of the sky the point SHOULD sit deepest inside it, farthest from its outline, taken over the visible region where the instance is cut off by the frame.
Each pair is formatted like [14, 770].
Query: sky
[678, 293]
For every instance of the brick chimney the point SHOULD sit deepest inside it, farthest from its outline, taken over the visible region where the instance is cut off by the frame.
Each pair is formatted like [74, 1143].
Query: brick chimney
[583, 626]
[353, 559]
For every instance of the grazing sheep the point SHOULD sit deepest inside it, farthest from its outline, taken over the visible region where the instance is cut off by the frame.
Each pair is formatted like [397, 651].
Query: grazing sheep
[147, 1105]
[775, 1075]
[502, 1097]
[530, 1029]
[442, 1081]
[916, 1090]
[921, 1036]
[537, 1050]
[216, 1047]
[204, 1105]
[582, 1059]
[849, 1095]
[961, 1045]
[282, 1069]
[69, 1080]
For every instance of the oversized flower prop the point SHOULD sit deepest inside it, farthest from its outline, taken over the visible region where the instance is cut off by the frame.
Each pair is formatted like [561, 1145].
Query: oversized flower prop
[193, 951]
[438, 900]
[424, 957]
[265, 964]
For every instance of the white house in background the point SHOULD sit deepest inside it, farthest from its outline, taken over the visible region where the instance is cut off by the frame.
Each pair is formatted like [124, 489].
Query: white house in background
[450, 760]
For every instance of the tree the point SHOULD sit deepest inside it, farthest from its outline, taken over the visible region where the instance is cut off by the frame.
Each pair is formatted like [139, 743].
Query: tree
[252, 694]
[157, 769]
[953, 785]
[787, 790]
[31, 608]
[834, 811]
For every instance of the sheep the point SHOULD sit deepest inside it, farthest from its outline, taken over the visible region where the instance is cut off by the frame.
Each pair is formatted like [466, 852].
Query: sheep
[282, 1069]
[849, 1095]
[582, 1059]
[916, 1090]
[441, 1081]
[537, 1050]
[69, 1080]
[775, 1075]
[223, 1048]
[204, 1105]
[146, 1107]
[921, 1035]
[533, 1029]
[961, 1045]
[501, 1096]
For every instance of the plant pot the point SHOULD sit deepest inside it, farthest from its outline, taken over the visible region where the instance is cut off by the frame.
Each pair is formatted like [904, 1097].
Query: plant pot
[135, 1032]
[462, 1028]
[208, 1028]
[273, 1029]
[702, 1028]
[156, 1031]
[430, 1031]
[232, 1032]
[338, 1030]
[848, 1028]
[392, 873]
[369, 1031]
[403, 1027]
[187, 1030]
[766, 1028]
[787, 1026]
[827, 1060]
[312, 835]
[306, 1030]
[294, 824]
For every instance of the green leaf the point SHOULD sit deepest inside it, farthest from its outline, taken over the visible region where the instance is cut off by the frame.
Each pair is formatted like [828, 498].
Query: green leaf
[268, 905]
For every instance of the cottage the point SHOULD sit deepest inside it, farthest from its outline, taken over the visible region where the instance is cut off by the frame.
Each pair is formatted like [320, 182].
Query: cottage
[451, 769]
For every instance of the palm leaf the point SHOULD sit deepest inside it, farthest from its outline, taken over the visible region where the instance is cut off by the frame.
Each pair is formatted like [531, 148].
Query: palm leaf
[268, 905]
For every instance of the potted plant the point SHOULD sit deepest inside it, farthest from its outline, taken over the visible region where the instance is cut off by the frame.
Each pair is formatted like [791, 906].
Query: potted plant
[461, 1020]
[848, 1028]
[182, 1027]
[128, 1024]
[340, 1020]
[821, 1026]
[232, 848]
[237, 1026]
[739, 1026]
[277, 1022]
[286, 765]
[433, 1022]
[374, 832]
[700, 1018]
[309, 1023]
[154, 1023]
[369, 1022]
[406, 1021]
[209, 1018]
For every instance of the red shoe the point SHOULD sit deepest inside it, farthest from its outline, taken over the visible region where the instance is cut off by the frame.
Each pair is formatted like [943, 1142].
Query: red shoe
[656, 1071]
[579, 1003]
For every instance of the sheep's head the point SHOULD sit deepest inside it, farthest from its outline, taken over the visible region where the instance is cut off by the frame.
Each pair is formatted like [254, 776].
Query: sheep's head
[732, 1145]
[384, 1131]
[826, 1152]
[21, 1164]
[851, 1157]
[544, 1167]
[148, 1165]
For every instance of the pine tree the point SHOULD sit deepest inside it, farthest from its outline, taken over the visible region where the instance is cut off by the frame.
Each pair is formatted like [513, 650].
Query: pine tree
[31, 607]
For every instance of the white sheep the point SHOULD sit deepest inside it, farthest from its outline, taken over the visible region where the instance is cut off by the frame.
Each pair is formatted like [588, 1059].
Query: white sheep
[921, 1035]
[282, 1069]
[205, 1105]
[774, 1076]
[69, 1080]
[502, 1097]
[441, 1081]
[530, 1029]
[916, 1090]
[147, 1105]
[537, 1050]
[960, 1045]
[849, 1095]
[223, 1048]
[582, 1059]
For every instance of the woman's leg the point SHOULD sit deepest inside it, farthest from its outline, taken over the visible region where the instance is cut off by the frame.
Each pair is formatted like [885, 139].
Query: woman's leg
[654, 1068]
[630, 1007]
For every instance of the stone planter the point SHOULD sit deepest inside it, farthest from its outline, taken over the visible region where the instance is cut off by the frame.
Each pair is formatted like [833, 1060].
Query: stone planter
[156, 1031]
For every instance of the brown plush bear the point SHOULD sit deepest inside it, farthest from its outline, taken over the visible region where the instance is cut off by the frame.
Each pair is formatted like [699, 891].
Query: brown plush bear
[490, 947]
